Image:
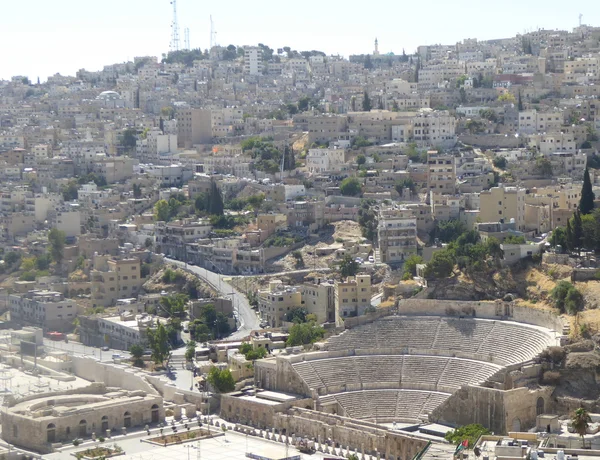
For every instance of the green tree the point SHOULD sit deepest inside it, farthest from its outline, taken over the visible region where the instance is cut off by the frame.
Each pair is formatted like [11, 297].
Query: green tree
[137, 191]
[296, 315]
[304, 333]
[406, 183]
[520, 103]
[137, 351]
[159, 343]
[543, 167]
[348, 266]
[580, 421]
[350, 187]
[366, 105]
[221, 380]
[57, 240]
[569, 239]
[215, 200]
[162, 211]
[566, 298]
[190, 350]
[440, 266]
[500, 162]
[586, 203]
[410, 266]
[468, 432]
[577, 227]
[361, 160]
[70, 191]
[513, 239]
[558, 237]
[367, 219]
[448, 230]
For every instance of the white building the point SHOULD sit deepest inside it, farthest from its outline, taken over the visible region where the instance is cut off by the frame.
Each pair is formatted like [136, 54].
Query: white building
[252, 60]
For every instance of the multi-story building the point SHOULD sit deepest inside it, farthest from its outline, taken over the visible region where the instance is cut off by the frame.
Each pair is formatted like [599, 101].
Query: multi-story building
[434, 129]
[253, 60]
[194, 127]
[318, 298]
[441, 172]
[46, 309]
[276, 301]
[114, 279]
[352, 297]
[396, 234]
[501, 204]
[325, 160]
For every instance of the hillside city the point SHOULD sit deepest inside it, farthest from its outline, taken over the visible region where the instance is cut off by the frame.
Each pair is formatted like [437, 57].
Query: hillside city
[255, 252]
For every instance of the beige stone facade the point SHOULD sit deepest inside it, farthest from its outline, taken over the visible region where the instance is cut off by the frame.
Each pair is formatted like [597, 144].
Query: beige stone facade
[39, 422]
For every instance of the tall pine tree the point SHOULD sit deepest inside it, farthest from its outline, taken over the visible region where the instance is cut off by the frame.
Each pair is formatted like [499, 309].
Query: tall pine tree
[586, 203]
[366, 106]
[214, 200]
[569, 239]
[577, 230]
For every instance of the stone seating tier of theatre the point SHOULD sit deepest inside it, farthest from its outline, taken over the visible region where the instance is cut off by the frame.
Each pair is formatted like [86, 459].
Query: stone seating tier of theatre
[502, 342]
[385, 406]
[393, 371]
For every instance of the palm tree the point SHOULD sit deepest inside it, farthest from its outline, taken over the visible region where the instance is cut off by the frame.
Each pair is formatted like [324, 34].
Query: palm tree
[580, 422]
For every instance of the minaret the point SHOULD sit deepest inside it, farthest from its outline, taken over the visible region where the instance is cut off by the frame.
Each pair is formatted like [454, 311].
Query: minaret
[376, 52]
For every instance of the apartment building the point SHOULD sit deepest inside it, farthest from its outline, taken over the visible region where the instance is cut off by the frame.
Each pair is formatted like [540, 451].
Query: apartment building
[501, 204]
[194, 127]
[532, 121]
[396, 234]
[434, 129]
[326, 128]
[114, 279]
[119, 332]
[46, 309]
[352, 297]
[318, 298]
[276, 301]
[253, 60]
[325, 160]
[441, 172]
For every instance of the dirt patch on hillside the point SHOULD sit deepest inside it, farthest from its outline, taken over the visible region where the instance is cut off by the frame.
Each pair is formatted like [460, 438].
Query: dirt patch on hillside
[322, 252]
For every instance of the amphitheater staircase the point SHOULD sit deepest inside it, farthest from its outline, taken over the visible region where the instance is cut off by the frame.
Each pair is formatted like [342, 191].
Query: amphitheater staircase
[437, 333]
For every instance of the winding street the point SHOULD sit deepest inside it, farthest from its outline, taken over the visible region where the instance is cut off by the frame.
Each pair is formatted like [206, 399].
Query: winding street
[248, 321]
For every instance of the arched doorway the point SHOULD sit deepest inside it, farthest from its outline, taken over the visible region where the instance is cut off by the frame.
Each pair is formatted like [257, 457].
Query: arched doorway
[82, 428]
[516, 425]
[155, 413]
[539, 406]
[51, 433]
[104, 423]
[127, 420]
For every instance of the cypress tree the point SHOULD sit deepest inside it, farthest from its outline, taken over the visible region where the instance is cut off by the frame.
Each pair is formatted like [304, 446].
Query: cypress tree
[586, 203]
[215, 200]
[570, 242]
[366, 105]
[577, 230]
[520, 106]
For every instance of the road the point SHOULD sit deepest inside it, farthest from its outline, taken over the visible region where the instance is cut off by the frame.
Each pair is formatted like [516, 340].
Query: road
[77, 349]
[248, 321]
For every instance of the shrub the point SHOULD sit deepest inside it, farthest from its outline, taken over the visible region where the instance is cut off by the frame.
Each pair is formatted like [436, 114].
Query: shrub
[75, 442]
[101, 439]
[551, 377]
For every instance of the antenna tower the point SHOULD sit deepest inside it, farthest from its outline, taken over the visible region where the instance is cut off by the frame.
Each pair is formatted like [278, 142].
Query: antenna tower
[213, 33]
[174, 28]
[187, 38]
[580, 18]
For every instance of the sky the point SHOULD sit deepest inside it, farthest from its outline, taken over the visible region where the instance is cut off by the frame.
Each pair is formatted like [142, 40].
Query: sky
[39, 38]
